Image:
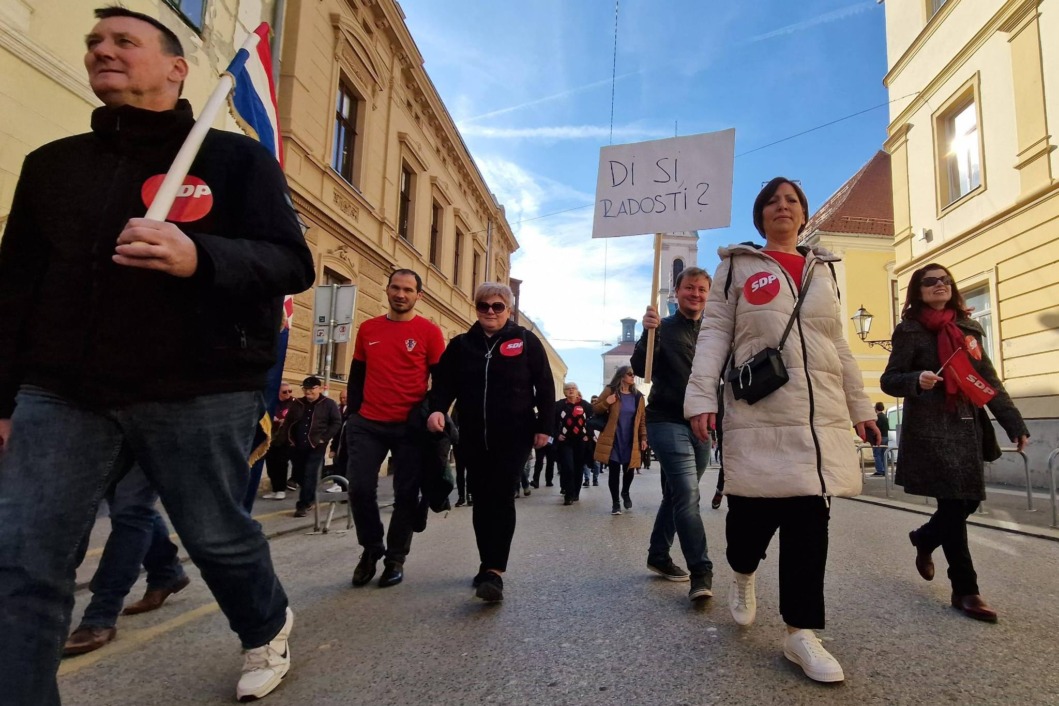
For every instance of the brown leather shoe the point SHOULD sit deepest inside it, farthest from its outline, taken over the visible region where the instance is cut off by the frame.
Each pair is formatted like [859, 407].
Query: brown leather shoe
[155, 597]
[974, 607]
[924, 561]
[88, 639]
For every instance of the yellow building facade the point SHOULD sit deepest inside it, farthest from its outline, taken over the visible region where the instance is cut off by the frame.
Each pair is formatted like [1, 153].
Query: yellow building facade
[379, 172]
[974, 86]
[44, 91]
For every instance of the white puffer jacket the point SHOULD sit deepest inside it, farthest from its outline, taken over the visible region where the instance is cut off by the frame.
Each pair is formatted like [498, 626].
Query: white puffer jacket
[798, 440]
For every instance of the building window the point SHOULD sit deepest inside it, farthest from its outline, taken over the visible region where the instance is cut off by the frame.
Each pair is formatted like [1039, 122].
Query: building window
[895, 304]
[476, 271]
[338, 351]
[435, 234]
[678, 267]
[457, 253]
[404, 209]
[193, 12]
[978, 300]
[935, 5]
[961, 165]
[345, 142]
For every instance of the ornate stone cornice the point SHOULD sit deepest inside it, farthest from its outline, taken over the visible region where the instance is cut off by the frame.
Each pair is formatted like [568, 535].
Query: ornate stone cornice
[47, 63]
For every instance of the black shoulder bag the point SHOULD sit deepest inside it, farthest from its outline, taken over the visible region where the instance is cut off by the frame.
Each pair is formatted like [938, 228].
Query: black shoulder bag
[765, 372]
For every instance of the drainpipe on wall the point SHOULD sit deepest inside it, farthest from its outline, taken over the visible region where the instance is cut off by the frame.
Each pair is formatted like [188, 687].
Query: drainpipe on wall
[279, 13]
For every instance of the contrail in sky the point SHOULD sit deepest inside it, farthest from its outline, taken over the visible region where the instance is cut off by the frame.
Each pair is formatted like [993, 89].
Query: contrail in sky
[545, 99]
[839, 14]
[559, 132]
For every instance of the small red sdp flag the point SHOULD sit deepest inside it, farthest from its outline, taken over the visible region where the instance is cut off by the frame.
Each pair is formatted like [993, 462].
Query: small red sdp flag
[971, 384]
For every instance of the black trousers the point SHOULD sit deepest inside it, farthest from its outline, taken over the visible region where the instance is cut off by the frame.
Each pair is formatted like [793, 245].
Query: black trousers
[492, 473]
[947, 528]
[276, 461]
[802, 523]
[368, 442]
[614, 472]
[542, 455]
[571, 453]
[307, 464]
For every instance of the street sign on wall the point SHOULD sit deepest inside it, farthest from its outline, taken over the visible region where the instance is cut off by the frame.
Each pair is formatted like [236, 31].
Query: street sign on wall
[665, 186]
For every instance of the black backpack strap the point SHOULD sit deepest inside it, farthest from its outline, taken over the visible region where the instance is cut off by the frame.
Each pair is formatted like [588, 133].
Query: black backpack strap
[835, 277]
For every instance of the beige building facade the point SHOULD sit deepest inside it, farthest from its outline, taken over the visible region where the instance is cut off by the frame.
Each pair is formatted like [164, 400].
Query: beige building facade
[44, 91]
[379, 172]
[975, 91]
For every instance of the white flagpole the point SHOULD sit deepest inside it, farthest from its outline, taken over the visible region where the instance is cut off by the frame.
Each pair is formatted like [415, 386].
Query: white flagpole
[174, 178]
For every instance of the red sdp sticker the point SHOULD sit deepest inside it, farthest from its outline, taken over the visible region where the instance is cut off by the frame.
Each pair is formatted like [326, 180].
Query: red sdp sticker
[511, 348]
[761, 288]
[193, 201]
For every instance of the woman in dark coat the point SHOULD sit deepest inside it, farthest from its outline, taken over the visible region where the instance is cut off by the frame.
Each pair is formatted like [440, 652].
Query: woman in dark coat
[499, 376]
[624, 437]
[945, 439]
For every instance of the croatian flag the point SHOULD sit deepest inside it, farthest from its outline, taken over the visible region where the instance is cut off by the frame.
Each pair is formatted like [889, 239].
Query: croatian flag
[253, 102]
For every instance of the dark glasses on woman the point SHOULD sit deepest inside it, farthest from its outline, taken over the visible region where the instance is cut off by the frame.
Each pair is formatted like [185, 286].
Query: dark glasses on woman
[931, 281]
[484, 307]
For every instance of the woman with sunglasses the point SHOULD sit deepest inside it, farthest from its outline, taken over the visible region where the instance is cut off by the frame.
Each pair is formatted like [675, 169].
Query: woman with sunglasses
[944, 438]
[624, 438]
[500, 379]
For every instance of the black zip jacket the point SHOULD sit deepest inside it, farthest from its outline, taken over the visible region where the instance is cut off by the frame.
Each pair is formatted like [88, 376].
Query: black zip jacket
[324, 421]
[496, 383]
[103, 334]
[675, 340]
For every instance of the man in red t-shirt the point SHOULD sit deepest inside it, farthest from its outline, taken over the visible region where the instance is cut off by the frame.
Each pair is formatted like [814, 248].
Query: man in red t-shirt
[392, 361]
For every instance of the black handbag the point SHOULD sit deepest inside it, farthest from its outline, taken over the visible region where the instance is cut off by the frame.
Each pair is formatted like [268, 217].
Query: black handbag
[765, 372]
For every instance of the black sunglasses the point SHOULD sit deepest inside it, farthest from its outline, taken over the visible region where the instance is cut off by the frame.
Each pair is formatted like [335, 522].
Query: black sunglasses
[931, 281]
[484, 307]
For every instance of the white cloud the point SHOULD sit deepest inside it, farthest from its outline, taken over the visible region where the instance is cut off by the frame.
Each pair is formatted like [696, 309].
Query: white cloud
[560, 132]
[565, 272]
[839, 14]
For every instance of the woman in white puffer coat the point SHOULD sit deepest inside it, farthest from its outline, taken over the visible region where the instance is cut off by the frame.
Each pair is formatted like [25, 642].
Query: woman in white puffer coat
[787, 455]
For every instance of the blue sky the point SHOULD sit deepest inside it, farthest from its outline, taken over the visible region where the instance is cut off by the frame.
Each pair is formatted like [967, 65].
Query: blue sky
[529, 86]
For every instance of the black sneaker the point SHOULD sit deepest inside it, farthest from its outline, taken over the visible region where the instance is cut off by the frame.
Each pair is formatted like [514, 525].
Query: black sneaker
[616, 510]
[628, 500]
[701, 587]
[365, 570]
[595, 483]
[526, 491]
[461, 501]
[585, 484]
[535, 485]
[490, 588]
[716, 502]
[667, 569]
[568, 501]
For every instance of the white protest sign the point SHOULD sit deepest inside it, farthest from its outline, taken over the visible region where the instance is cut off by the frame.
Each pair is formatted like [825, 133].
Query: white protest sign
[665, 186]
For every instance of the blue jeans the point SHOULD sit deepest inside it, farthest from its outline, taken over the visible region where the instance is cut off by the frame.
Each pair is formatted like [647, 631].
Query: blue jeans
[138, 535]
[60, 460]
[879, 452]
[683, 460]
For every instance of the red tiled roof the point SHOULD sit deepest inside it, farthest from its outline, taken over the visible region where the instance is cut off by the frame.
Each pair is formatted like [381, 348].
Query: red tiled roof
[624, 348]
[864, 205]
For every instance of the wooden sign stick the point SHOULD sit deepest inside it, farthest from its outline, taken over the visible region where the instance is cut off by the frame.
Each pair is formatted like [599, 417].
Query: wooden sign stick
[655, 276]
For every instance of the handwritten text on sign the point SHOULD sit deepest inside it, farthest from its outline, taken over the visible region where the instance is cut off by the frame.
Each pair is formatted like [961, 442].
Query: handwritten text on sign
[665, 186]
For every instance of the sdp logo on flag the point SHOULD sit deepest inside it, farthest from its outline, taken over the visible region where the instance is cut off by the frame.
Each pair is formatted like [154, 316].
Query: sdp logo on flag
[971, 384]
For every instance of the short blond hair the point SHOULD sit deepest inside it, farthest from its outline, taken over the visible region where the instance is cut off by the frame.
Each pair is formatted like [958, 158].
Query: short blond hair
[494, 289]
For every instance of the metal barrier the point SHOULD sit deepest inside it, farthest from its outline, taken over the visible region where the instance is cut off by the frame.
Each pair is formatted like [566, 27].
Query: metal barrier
[891, 463]
[1052, 467]
[332, 502]
[1026, 468]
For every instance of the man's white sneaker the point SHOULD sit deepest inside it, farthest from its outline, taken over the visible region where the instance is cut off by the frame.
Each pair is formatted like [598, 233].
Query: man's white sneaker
[269, 496]
[804, 649]
[742, 600]
[264, 667]
[335, 488]
[281, 495]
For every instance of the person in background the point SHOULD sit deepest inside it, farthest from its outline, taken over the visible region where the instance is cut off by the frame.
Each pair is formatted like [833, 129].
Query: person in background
[499, 377]
[945, 440]
[278, 457]
[544, 460]
[571, 440]
[787, 455]
[681, 456]
[624, 438]
[879, 451]
[318, 420]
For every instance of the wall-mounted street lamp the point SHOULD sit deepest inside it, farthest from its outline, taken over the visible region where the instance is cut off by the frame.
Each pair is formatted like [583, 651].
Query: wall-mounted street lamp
[862, 324]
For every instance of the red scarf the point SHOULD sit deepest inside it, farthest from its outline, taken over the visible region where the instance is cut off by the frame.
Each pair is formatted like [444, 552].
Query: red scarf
[950, 339]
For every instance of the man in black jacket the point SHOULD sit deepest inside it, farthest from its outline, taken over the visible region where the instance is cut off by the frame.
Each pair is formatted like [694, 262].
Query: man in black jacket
[132, 340]
[682, 457]
[318, 422]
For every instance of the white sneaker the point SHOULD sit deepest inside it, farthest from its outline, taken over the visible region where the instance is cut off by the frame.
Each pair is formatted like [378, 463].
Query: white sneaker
[264, 667]
[804, 649]
[335, 488]
[281, 495]
[268, 496]
[742, 600]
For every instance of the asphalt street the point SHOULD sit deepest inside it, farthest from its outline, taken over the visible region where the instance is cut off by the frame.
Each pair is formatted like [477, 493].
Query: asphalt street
[584, 622]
